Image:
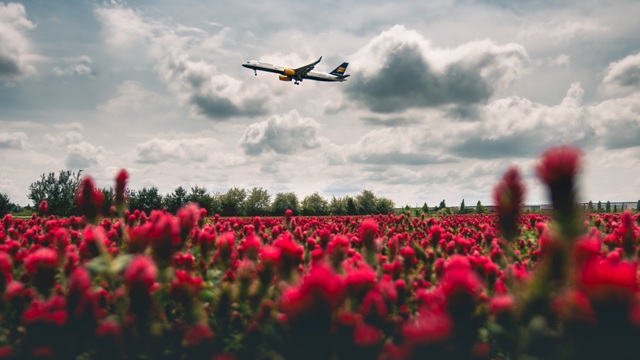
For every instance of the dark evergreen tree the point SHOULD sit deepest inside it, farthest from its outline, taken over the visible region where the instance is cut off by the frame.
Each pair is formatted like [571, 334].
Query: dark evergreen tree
[175, 200]
[6, 206]
[145, 200]
[425, 208]
[200, 196]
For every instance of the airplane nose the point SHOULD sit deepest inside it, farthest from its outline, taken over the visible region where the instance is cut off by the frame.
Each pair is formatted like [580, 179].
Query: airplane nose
[245, 65]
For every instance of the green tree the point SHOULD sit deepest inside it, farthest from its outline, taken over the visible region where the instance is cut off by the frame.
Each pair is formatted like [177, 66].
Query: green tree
[338, 206]
[384, 205]
[108, 201]
[442, 205]
[59, 192]
[283, 202]
[425, 208]
[608, 206]
[6, 206]
[480, 209]
[462, 210]
[615, 208]
[352, 205]
[366, 201]
[258, 202]
[599, 206]
[638, 206]
[233, 202]
[145, 200]
[175, 200]
[200, 196]
[590, 205]
[314, 205]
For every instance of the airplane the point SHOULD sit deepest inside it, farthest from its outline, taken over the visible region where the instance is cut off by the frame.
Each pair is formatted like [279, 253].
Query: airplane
[299, 74]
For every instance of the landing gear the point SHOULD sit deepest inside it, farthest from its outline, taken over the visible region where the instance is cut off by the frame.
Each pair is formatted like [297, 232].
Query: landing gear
[297, 82]
[255, 72]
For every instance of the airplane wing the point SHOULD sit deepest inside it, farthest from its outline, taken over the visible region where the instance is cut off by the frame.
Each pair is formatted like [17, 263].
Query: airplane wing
[302, 71]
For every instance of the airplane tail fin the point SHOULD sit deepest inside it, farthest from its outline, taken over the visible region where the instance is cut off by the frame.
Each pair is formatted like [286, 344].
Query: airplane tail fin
[339, 71]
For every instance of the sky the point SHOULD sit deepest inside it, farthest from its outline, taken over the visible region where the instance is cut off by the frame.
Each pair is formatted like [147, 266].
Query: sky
[444, 96]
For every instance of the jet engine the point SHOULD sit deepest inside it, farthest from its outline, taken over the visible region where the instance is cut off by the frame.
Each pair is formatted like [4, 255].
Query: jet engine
[289, 72]
[284, 78]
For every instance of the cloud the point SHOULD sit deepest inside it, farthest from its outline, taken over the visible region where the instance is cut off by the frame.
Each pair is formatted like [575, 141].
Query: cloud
[400, 70]
[213, 95]
[396, 146]
[565, 30]
[131, 96]
[14, 140]
[160, 150]
[518, 127]
[65, 138]
[83, 155]
[283, 134]
[78, 66]
[616, 123]
[198, 84]
[14, 45]
[623, 77]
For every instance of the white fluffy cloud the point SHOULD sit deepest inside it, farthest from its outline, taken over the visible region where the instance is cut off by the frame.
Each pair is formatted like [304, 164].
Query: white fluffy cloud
[623, 77]
[161, 150]
[14, 45]
[83, 155]
[13, 140]
[282, 134]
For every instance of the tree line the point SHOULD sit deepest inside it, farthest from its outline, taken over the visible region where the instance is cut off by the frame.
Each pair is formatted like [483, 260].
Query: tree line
[59, 192]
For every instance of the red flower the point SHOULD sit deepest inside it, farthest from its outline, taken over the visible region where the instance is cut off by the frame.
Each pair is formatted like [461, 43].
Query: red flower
[49, 311]
[368, 230]
[557, 169]
[606, 282]
[140, 274]
[501, 304]
[188, 217]
[41, 266]
[320, 293]
[5, 270]
[197, 334]
[42, 208]
[508, 196]
[366, 335]
[121, 187]
[428, 328]
[558, 164]
[89, 199]
[163, 232]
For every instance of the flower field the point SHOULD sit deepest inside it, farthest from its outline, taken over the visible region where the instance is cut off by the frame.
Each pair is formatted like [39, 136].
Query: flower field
[508, 285]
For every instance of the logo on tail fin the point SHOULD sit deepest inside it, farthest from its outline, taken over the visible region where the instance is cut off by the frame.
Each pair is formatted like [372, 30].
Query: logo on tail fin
[339, 71]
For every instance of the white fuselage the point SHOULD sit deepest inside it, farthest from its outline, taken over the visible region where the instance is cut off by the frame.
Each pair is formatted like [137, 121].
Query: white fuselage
[282, 70]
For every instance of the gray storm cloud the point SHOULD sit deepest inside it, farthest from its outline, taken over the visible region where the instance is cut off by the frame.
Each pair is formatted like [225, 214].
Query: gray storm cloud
[399, 70]
[282, 134]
